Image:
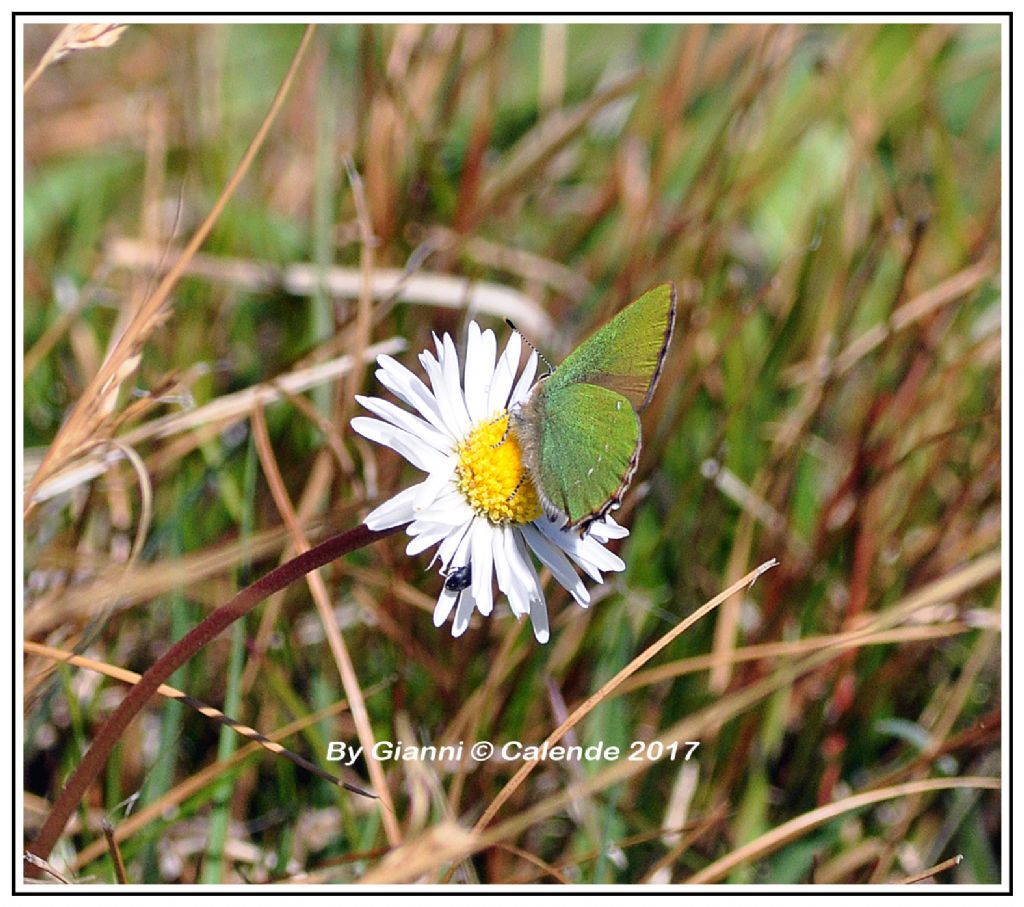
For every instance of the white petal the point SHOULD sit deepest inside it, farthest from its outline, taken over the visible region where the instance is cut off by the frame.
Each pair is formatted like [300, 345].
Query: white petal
[442, 521]
[588, 567]
[513, 575]
[421, 455]
[591, 551]
[435, 485]
[537, 605]
[480, 352]
[519, 601]
[528, 571]
[587, 551]
[557, 563]
[436, 378]
[481, 557]
[393, 512]
[525, 381]
[463, 612]
[407, 387]
[428, 527]
[502, 568]
[607, 529]
[448, 395]
[427, 537]
[505, 374]
[445, 602]
[453, 382]
[539, 619]
[524, 565]
[473, 350]
[449, 510]
[449, 519]
[416, 426]
[454, 550]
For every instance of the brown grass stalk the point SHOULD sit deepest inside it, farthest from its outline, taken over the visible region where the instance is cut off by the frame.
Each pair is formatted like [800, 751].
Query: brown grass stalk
[154, 811]
[424, 288]
[220, 412]
[96, 756]
[794, 828]
[208, 711]
[719, 712]
[934, 870]
[318, 589]
[97, 399]
[77, 36]
[592, 701]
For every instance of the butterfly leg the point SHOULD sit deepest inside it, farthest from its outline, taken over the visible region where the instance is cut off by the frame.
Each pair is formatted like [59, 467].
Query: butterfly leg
[515, 490]
[504, 437]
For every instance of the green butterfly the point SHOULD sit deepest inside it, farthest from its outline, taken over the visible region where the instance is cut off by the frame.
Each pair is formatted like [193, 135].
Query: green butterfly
[579, 429]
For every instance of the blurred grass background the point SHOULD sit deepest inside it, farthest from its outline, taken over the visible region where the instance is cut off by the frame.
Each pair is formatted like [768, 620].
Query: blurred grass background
[827, 199]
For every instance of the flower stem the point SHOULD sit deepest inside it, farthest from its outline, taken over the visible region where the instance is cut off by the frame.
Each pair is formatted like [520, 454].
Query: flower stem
[247, 599]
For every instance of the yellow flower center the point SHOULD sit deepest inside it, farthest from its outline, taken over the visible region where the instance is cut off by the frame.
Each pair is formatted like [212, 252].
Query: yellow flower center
[491, 474]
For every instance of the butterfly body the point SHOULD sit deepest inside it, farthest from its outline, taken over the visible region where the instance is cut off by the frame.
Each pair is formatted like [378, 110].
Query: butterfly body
[579, 429]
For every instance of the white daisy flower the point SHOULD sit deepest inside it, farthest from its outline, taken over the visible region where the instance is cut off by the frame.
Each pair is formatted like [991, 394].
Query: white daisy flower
[477, 504]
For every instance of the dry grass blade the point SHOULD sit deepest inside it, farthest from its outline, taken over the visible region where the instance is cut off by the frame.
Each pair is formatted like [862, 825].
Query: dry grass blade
[728, 622]
[44, 865]
[622, 770]
[145, 497]
[788, 831]
[78, 36]
[83, 424]
[698, 826]
[851, 639]
[115, 852]
[545, 140]
[318, 589]
[428, 288]
[364, 308]
[79, 299]
[89, 36]
[590, 703]
[154, 811]
[413, 860]
[735, 704]
[663, 866]
[208, 711]
[146, 581]
[912, 311]
[211, 626]
[520, 262]
[948, 707]
[316, 488]
[934, 871]
[222, 411]
[546, 868]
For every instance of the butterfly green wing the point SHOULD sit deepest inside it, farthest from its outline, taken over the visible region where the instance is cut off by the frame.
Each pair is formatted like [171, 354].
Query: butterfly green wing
[626, 355]
[588, 450]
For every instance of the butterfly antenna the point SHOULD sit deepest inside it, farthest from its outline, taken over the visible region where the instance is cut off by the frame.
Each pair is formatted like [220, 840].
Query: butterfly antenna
[543, 358]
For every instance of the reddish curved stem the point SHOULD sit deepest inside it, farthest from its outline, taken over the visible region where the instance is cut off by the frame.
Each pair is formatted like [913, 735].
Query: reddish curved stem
[247, 599]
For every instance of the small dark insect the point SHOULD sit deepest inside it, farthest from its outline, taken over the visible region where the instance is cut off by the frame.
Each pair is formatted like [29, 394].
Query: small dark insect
[459, 579]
